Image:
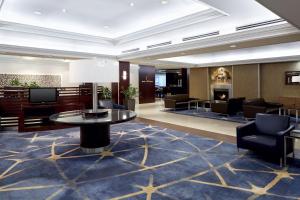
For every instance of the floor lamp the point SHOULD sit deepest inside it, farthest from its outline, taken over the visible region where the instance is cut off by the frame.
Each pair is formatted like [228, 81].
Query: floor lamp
[94, 71]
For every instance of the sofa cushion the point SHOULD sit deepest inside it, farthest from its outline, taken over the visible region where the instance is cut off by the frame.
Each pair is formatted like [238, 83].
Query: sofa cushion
[256, 102]
[271, 124]
[260, 140]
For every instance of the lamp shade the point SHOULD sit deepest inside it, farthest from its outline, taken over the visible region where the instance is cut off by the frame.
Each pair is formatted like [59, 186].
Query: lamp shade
[94, 71]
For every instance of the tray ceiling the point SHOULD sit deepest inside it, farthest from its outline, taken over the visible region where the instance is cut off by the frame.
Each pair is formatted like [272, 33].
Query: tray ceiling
[105, 18]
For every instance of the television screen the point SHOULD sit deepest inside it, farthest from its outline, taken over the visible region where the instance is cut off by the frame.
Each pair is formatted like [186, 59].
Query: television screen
[42, 95]
[160, 80]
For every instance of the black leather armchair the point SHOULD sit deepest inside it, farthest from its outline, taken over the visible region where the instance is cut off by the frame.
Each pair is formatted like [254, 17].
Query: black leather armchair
[253, 106]
[230, 107]
[266, 135]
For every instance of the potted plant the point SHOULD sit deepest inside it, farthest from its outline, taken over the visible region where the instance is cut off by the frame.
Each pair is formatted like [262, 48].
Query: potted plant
[130, 93]
[15, 83]
[105, 98]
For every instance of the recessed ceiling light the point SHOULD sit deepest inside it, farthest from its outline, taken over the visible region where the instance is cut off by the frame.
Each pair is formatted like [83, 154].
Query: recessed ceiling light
[232, 46]
[164, 2]
[131, 4]
[66, 60]
[37, 12]
[28, 58]
[64, 10]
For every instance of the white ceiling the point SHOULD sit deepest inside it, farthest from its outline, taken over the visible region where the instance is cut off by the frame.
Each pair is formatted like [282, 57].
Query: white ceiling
[105, 18]
[91, 28]
[240, 55]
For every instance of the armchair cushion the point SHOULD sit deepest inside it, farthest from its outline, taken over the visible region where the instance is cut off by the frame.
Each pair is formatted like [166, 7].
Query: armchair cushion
[271, 124]
[260, 140]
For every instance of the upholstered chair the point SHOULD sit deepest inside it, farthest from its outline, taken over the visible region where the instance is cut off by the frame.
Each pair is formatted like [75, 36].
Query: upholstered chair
[266, 135]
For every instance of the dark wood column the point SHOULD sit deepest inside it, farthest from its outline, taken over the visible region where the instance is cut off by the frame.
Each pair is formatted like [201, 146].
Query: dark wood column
[123, 82]
[185, 80]
[115, 92]
[146, 84]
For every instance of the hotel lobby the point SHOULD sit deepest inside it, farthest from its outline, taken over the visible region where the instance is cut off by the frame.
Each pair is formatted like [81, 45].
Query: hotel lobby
[149, 99]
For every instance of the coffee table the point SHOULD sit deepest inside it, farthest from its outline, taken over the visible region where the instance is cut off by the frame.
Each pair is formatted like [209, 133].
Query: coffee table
[94, 132]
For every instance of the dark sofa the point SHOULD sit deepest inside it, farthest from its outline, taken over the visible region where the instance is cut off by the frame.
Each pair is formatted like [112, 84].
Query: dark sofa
[259, 105]
[230, 107]
[177, 101]
[266, 135]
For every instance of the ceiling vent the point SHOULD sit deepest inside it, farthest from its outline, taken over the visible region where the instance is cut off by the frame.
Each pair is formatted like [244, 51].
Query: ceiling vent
[131, 50]
[201, 36]
[159, 45]
[265, 23]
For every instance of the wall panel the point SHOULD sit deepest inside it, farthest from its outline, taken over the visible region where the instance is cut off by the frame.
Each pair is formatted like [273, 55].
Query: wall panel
[198, 83]
[273, 80]
[245, 81]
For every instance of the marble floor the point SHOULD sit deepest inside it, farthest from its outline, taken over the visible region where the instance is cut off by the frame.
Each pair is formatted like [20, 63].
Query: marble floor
[154, 111]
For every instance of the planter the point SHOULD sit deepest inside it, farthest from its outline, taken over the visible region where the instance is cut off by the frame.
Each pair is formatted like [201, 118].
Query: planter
[130, 104]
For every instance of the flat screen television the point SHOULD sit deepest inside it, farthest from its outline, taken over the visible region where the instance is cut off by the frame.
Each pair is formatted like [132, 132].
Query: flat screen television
[42, 95]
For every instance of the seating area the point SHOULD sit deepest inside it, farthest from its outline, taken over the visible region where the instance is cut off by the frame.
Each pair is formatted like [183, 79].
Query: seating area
[232, 107]
[149, 100]
[179, 101]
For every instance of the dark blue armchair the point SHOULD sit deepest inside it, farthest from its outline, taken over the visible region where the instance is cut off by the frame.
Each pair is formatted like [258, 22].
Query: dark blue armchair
[266, 135]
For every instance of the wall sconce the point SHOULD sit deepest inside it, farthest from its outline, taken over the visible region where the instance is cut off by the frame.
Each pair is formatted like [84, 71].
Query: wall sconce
[124, 75]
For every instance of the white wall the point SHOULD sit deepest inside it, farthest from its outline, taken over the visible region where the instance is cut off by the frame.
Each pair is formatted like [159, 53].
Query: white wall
[37, 66]
[134, 77]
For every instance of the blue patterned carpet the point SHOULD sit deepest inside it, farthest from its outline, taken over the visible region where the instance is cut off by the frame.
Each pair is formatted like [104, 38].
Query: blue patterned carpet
[143, 162]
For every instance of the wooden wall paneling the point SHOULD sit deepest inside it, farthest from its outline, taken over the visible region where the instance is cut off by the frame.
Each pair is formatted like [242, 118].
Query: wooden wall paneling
[273, 81]
[123, 84]
[146, 84]
[115, 92]
[245, 81]
[199, 83]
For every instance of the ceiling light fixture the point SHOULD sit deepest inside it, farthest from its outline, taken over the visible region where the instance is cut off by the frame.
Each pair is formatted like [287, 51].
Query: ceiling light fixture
[164, 2]
[37, 12]
[131, 4]
[64, 10]
[232, 46]
[28, 58]
[66, 60]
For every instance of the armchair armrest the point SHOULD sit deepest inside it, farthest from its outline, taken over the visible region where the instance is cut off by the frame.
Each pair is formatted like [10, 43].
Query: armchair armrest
[280, 141]
[246, 129]
[285, 132]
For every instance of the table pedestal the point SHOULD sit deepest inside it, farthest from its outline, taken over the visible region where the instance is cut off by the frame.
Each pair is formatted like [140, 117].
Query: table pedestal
[94, 137]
